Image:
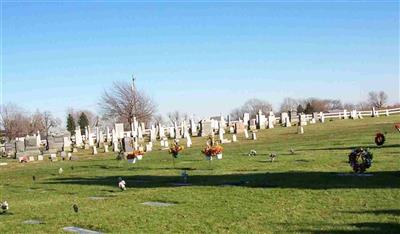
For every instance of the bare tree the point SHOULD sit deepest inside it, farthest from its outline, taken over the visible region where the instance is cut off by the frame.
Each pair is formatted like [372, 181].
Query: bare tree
[237, 113]
[158, 119]
[37, 122]
[349, 106]
[289, 104]
[377, 99]
[177, 116]
[49, 122]
[15, 121]
[252, 106]
[363, 106]
[124, 102]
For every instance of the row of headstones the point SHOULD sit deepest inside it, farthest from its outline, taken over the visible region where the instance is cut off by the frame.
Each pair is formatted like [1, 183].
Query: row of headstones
[33, 145]
[53, 157]
[205, 128]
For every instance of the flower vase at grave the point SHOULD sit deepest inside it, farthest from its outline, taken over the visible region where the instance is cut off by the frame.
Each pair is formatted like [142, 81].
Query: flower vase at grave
[133, 161]
[139, 157]
[208, 158]
[219, 156]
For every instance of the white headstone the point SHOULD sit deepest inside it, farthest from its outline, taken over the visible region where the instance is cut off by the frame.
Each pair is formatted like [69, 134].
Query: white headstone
[246, 118]
[188, 141]
[94, 150]
[38, 140]
[78, 137]
[254, 136]
[108, 137]
[193, 127]
[234, 138]
[221, 134]
[149, 147]
[271, 120]
[300, 130]
[345, 116]
[161, 132]
[321, 117]
[116, 146]
[171, 131]
[119, 130]
[140, 133]
[246, 134]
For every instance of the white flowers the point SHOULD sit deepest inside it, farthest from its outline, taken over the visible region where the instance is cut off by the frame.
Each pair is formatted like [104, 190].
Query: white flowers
[252, 153]
[4, 206]
[272, 156]
[121, 184]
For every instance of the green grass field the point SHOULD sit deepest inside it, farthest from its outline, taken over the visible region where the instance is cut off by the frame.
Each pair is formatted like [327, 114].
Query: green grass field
[300, 193]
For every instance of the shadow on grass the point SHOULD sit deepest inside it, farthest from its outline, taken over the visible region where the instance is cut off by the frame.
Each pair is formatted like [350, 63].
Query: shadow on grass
[297, 180]
[395, 212]
[364, 228]
[353, 147]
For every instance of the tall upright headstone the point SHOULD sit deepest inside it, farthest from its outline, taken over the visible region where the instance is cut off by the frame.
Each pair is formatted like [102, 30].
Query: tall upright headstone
[90, 139]
[119, 130]
[206, 128]
[246, 119]
[345, 115]
[193, 127]
[321, 117]
[271, 120]
[38, 139]
[161, 131]
[261, 120]
[108, 137]
[78, 137]
[171, 131]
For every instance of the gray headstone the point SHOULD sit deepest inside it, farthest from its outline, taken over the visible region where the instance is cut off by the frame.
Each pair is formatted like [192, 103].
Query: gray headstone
[80, 230]
[158, 204]
[128, 144]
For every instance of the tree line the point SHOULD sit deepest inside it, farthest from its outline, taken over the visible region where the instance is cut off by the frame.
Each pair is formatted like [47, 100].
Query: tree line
[311, 105]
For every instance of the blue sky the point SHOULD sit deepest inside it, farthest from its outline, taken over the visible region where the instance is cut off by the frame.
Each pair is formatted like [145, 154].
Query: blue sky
[201, 58]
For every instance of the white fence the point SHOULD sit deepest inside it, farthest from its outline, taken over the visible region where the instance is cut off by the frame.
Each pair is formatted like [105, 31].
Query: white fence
[344, 113]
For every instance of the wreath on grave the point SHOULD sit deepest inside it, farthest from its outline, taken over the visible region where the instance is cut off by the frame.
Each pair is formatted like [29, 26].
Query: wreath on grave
[175, 149]
[397, 126]
[379, 139]
[360, 159]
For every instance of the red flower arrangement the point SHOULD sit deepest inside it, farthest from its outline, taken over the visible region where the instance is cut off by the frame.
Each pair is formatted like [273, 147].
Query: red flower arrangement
[213, 150]
[379, 139]
[397, 126]
[135, 154]
[175, 149]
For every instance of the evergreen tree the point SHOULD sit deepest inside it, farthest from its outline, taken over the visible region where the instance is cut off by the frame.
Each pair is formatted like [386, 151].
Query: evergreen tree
[300, 109]
[83, 121]
[71, 124]
[309, 109]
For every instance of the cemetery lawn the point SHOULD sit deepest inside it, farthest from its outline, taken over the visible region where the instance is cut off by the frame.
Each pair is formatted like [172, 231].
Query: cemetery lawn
[304, 192]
